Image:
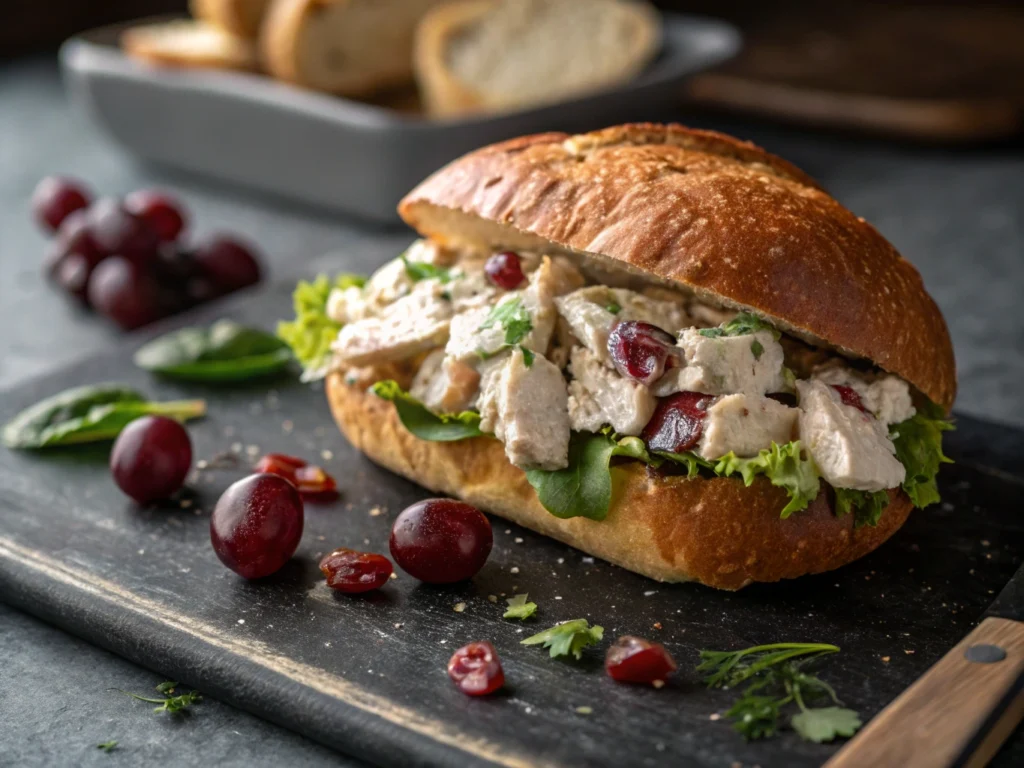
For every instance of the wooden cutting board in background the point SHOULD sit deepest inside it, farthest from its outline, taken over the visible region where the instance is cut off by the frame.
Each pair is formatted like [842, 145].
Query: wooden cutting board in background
[950, 72]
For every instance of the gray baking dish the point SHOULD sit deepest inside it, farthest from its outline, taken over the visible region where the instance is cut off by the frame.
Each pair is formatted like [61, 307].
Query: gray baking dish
[335, 153]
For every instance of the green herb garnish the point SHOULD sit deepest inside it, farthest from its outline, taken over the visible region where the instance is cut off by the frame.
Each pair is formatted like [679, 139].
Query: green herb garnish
[421, 270]
[743, 324]
[614, 307]
[757, 348]
[570, 637]
[171, 704]
[312, 332]
[774, 679]
[528, 356]
[226, 351]
[918, 442]
[513, 317]
[424, 423]
[89, 414]
[519, 608]
[107, 746]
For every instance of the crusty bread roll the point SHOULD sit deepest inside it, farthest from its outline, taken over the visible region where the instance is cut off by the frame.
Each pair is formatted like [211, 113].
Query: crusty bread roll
[346, 47]
[704, 213]
[493, 56]
[239, 17]
[189, 44]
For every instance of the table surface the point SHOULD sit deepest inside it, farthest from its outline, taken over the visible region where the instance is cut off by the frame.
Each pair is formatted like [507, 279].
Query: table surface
[958, 216]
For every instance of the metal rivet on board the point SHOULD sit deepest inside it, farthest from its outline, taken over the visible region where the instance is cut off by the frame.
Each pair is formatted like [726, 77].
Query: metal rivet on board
[984, 654]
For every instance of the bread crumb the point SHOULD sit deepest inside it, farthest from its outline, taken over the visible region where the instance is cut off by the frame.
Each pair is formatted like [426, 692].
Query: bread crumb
[399, 625]
[394, 575]
[493, 598]
[714, 716]
[376, 512]
[326, 454]
[657, 625]
[519, 540]
[287, 425]
[908, 651]
[885, 659]
[236, 447]
[585, 710]
[658, 683]
[459, 607]
[252, 451]
[321, 538]
[514, 569]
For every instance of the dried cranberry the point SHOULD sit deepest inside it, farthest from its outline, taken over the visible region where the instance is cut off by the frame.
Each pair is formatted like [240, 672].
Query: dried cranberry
[279, 464]
[476, 669]
[311, 481]
[640, 351]
[635, 660]
[678, 422]
[504, 270]
[850, 396]
[55, 198]
[441, 541]
[352, 572]
[256, 526]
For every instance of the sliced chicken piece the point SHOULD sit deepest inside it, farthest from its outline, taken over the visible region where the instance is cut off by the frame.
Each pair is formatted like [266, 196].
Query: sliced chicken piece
[347, 305]
[444, 384]
[599, 396]
[469, 342]
[886, 396]
[721, 365]
[744, 424]
[592, 312]
[388, 284]
[851, 448]
[411, 325]
[472, 289]
[526, 407]
[553, 278]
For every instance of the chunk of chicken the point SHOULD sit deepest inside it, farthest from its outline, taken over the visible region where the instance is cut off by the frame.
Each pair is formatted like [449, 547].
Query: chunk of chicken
[744, 424]
[887, 396]
[526, 409]
[411, 325]
[720, 365]
[444, 384]
[851, 448]
[599, 396]
[347, 305]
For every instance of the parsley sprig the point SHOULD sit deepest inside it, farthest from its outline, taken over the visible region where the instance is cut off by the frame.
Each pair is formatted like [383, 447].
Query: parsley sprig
[775, 678]
[519, 607]
[107, 746]
[172, 704]
[569, 637]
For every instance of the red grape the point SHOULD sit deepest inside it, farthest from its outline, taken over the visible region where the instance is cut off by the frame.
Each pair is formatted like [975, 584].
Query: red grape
[640, 351]
[353, 572]
[121, 290]
[151, 458]
[229, 264]
[118, 232]
[55, 198]
[163, 213]
[678, 422]
[440, 541]
[256, 526]
[476, 669]
[635, 660]
[504, 270]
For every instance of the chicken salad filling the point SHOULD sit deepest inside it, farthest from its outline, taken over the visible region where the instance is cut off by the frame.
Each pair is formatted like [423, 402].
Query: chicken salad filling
[568, 371]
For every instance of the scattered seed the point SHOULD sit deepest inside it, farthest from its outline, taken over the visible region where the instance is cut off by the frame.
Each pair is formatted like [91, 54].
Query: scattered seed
[493, 598]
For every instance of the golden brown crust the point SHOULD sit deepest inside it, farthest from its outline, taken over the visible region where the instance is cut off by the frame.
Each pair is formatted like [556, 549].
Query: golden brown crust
[722, 217]
[715, 531]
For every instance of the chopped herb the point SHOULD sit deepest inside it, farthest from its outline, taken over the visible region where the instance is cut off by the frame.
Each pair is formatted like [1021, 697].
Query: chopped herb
[171, 704]
[757, 348]
[775, 679]
[569, 637]
[613, 307]
[107, 746]
[528, 357]
[420, 270]
[424, 423]
[166, 688]
[513, 317]
[519, 608]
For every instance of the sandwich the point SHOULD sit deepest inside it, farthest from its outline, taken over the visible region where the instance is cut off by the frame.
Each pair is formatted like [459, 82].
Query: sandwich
[662, 346]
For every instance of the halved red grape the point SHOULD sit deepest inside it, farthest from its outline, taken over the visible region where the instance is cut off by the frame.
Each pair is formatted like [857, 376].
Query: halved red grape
[55, 198]
[118, 232]
[504, 270]
[476, 669]
[257, 524]
[151, 458]
[678, 422]
[441, 541]
[353, 572]
[162, 212]
[635, 660]
[229, 264]
[640, 351]
[121, 290]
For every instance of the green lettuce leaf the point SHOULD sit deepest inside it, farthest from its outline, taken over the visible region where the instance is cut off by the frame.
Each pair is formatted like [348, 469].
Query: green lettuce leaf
[424, 423]
[312, 332]
[784, 467]
[918, 442]
[867, 507]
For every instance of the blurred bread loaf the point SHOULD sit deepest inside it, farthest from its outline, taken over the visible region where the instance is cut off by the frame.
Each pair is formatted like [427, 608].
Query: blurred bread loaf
[239, 17]
[346, 47]
[492, 56]
[188, 43]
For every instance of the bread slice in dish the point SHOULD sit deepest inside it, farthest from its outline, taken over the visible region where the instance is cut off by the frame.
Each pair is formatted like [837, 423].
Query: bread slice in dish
[189, 44]
[346, 47]
[239, 17]
[493, 56]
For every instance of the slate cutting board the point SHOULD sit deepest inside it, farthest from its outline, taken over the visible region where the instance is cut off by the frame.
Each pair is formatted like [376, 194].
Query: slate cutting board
[366, 674]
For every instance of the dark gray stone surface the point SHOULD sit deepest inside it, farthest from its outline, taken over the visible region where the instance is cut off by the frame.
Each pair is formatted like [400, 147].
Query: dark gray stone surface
[958, 216]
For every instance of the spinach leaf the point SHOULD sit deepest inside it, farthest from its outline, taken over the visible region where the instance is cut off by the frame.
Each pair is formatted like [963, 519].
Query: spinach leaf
[89, 414]
[226, 351]
[424, 423]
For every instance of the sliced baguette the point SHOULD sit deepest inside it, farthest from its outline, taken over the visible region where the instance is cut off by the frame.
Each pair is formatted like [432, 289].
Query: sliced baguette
[345, 47]
[239, 17]
[189, 44]
[493, 56]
